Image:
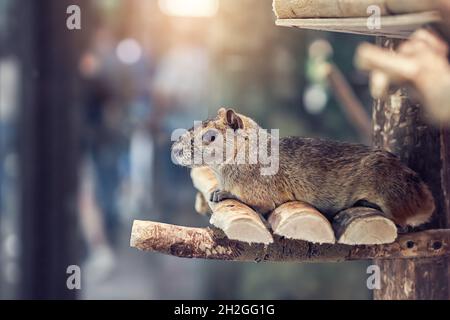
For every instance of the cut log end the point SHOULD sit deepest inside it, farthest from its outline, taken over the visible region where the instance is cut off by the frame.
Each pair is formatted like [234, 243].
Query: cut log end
[300, 221]
[246, 230]
[235, 219]
[240, 223]
[364, 226]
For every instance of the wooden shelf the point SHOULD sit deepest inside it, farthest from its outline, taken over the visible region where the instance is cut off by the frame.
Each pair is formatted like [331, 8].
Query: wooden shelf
[398, 26]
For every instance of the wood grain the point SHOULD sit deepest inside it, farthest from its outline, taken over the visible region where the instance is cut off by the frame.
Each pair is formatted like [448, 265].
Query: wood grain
[237, 220]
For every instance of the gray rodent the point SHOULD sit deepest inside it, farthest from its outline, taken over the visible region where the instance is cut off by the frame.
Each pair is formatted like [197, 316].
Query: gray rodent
[331, 176]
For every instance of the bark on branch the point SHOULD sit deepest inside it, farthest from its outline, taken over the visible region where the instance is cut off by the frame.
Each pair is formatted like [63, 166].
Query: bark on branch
[207, 243]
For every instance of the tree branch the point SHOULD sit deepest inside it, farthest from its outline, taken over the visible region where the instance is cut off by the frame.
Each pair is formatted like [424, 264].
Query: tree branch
[207, 243]
[349, 102]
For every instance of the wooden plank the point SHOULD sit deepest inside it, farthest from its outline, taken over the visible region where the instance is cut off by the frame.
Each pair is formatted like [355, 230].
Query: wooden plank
[289, 9]
[398, 26]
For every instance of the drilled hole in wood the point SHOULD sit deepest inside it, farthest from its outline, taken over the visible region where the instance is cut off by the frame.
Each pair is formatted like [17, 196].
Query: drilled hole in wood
[437, 245]
[410, 244]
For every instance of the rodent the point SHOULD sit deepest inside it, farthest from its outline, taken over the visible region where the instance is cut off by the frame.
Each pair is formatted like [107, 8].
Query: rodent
[331, 176]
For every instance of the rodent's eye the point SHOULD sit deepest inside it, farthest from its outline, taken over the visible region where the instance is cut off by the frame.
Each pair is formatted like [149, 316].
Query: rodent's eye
[210, 136]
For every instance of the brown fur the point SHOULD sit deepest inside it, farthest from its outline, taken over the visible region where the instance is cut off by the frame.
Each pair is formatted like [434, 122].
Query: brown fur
[329, 175]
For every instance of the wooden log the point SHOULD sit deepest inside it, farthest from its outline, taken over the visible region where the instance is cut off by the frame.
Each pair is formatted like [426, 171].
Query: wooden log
[349, 102]
[356, 226]
[399, 127]
[207, 243]
[285, 9]
[300, 221]
[238, 221]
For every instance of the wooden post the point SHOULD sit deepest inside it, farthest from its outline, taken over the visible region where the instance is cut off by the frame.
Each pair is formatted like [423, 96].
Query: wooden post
[48, 149]
[400, 127]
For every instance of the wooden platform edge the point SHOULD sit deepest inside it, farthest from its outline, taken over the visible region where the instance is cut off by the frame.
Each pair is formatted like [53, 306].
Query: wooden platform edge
[211, 243]
[394, 26]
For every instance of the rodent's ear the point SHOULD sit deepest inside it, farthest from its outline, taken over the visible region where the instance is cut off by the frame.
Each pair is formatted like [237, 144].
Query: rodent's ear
[233, 120]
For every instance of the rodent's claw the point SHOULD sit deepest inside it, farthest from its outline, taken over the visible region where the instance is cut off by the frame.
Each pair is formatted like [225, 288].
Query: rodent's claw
[219, 195]
[215, 196]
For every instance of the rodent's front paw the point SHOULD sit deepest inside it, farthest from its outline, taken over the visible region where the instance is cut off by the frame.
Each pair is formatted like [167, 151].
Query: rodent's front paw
[219, 195]
[215, 196]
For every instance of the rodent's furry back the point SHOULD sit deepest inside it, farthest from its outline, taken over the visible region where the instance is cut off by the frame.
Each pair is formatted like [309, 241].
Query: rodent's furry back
[329, 175]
